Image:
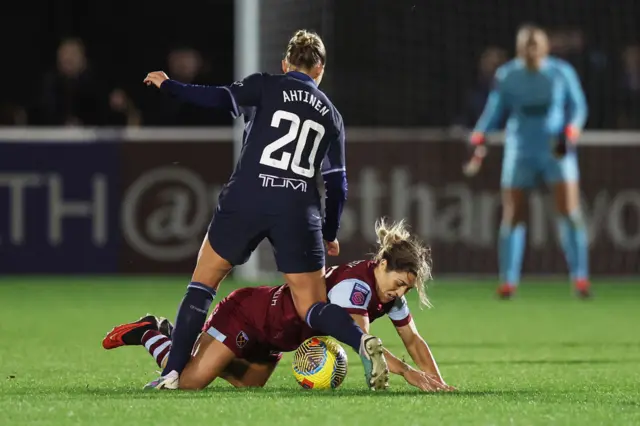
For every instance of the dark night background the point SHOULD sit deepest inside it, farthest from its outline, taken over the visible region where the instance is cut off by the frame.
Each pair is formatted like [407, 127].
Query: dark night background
[391, 62]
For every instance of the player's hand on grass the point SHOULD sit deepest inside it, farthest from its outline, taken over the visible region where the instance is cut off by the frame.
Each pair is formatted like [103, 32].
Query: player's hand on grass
[333, 247]
[448, 388]
[155, 78]
[438, 383]
[425, 382]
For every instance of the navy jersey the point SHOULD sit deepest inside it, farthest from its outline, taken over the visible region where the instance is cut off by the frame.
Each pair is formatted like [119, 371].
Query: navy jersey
[291, 130]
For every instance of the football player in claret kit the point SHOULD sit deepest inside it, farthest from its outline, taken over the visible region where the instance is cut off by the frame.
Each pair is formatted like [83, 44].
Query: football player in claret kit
[243, 338]
[547, 111]
[291, 130]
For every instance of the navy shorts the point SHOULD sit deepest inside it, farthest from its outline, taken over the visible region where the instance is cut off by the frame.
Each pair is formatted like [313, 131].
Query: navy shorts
[296, 240]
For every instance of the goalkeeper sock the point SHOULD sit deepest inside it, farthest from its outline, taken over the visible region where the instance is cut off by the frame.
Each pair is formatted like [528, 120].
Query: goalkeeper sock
[575, 244]
[510, 251]
[333, 320]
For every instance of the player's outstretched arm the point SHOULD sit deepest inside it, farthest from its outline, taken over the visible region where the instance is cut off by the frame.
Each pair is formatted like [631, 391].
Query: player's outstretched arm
[417, 378]
[245, 93]
[493, 110]
[414, 377]
[206, 96]
[420, 353]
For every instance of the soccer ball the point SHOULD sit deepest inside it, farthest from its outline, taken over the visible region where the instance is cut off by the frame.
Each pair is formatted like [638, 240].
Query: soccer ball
[320, 363]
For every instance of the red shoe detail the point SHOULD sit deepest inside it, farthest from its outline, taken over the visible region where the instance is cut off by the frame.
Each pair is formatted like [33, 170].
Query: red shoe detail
[114, 339]
[506, 290]
[583, 288]
[583, 284]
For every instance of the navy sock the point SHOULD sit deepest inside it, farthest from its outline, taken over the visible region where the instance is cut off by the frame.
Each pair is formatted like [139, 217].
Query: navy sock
[192, 314]
[333, 320]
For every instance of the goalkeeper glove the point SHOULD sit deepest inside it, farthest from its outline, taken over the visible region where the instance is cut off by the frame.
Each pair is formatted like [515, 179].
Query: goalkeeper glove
[479, 151]
[566, 141]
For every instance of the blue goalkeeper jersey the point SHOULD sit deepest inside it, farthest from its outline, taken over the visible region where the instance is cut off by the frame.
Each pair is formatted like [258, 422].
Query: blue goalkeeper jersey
[540, 104]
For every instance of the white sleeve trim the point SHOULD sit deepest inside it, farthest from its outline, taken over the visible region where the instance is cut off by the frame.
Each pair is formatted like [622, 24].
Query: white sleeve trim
[351, 294]
[334, 170]
[400, 310]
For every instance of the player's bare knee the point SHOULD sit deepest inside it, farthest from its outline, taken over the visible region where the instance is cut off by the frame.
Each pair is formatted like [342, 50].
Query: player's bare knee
[304, 304]
[563, 207]
[513, 215]
[520, 215]
[568, 208]
[576, 218]
[190, 387]
[567, 198]
[514, 207]
[508, 209]
[307, 289]
[250, 383]
[191, 383]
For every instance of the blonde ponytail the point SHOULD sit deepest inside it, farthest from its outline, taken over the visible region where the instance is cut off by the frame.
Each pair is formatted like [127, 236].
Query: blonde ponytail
[403, 252]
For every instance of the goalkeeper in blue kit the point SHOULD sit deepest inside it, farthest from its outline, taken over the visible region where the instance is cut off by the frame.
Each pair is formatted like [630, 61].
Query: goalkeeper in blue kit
[546, 111]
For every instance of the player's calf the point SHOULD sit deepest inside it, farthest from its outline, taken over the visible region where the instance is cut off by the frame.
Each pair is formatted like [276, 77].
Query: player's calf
[511, 240]
[572, 227]
[210, 270]
[158, 345]
[333, 320]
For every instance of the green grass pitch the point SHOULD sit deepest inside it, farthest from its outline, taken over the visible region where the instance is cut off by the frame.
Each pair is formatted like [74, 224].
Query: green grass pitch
[543, 358]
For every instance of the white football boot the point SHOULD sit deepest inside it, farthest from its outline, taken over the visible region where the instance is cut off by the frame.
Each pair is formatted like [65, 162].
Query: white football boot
[170, 382]
[376, 371]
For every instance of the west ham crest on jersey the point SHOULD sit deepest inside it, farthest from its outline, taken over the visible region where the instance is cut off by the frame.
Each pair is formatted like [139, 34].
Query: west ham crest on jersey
[242, 339]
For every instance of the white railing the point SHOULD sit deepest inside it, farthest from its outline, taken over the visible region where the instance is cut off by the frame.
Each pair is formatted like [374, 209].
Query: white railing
[225, 134]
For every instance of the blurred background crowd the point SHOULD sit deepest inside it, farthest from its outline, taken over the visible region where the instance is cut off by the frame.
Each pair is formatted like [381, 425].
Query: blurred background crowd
[82, 63]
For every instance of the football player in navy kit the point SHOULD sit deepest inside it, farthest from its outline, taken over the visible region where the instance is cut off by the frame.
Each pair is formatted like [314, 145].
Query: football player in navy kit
[292, 133]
